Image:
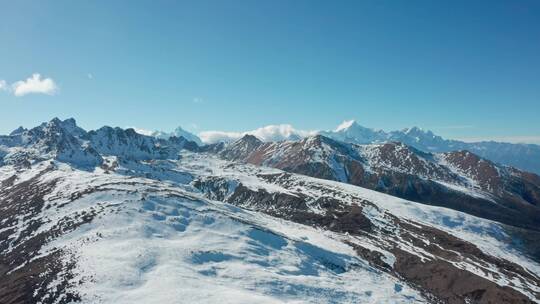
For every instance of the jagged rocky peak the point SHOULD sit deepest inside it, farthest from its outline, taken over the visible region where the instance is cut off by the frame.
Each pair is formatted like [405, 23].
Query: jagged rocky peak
[107, 135]
[250, 138]
[241, 148]
[415, 133]
[130, 132]
[55, 139]
[18, 131]
[248, 142]
[124, 143]
[68, 126]
[319, 140]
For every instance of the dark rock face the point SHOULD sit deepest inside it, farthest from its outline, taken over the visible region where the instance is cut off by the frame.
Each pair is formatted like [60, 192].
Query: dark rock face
[449, 285]
[436, 277]
[213, 148]
[242, 148]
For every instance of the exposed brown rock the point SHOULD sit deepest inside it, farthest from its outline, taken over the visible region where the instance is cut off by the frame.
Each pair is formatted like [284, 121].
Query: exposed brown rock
[450, 284]
[24, 278]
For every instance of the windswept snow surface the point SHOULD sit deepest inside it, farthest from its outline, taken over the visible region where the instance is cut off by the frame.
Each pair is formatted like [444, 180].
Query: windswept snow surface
[488, 235]
[161, 242]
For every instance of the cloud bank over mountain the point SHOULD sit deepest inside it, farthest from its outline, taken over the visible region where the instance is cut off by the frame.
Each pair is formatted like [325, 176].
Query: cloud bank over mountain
[267, 133]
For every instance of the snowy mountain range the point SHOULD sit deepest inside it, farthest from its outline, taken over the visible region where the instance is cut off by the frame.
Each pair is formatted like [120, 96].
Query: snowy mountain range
[523, 156]
[114, 216]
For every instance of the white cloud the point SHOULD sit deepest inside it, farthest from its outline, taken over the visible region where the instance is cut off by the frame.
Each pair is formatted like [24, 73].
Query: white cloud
[210, 137]
[34, 85]
[90, 76]
[268, 133]
[3, 85]
[198, 100]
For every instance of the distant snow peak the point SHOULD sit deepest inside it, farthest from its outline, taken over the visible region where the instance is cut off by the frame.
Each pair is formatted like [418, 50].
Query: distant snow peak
[178, 132]
[346, 125]
[416, 131]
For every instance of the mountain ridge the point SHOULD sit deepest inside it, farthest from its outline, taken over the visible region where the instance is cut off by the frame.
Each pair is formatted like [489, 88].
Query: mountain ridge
[459, 180]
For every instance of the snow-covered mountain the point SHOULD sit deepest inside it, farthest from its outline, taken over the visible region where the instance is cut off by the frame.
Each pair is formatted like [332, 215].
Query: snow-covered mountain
[165, 221]
[522, 156]
[65, 141]
[350, 131]
[178, 132]
[459, 180]
[55, 139]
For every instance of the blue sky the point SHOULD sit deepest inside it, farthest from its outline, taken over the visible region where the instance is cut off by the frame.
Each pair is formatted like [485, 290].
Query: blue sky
[461, 68]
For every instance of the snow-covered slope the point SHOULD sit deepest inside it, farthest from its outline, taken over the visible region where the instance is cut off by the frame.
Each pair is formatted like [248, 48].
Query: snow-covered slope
[118, 239]
[202, 230]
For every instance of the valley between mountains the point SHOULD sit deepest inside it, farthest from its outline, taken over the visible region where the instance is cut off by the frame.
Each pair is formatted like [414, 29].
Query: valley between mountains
[114, 216]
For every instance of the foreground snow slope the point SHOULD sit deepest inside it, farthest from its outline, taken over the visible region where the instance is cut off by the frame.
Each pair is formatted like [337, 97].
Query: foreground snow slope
[154, 242]
[202, 230]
